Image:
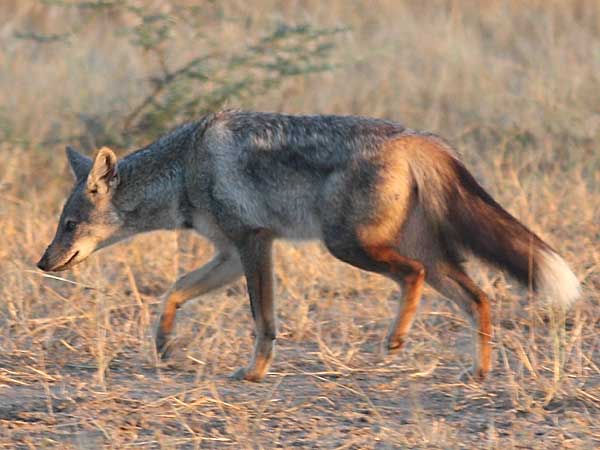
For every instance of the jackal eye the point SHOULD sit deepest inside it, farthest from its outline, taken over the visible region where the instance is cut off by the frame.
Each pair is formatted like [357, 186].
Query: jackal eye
[70, 225]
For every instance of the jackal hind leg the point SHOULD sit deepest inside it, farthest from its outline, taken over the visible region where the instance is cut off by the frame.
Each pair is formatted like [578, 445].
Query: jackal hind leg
[456, 285]
[256, 255]
[410, 274]
[386, 260]
[223, 269]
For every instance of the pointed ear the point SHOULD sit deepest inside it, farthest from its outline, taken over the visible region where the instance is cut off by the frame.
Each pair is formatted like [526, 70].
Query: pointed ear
[103, 175]
[80, 164]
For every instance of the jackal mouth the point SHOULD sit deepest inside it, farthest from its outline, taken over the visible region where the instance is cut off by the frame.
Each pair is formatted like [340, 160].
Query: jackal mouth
[67, 264]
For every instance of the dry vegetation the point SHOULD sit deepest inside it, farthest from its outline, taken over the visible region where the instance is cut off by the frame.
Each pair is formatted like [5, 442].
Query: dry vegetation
[516, 88]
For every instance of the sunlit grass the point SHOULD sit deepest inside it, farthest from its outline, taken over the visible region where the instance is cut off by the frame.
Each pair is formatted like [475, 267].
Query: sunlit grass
[513, 87]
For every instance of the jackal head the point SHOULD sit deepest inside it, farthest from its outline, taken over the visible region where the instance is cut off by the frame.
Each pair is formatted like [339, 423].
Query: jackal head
[89, 219]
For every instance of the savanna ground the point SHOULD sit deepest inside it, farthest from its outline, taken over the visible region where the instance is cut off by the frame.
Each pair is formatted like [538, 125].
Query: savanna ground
[514, 86]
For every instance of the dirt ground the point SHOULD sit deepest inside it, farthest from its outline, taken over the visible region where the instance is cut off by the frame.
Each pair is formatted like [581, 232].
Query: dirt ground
[302, 404]
[331, 385]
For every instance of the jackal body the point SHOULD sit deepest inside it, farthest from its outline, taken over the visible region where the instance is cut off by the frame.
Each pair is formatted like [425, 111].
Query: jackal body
[381, 197]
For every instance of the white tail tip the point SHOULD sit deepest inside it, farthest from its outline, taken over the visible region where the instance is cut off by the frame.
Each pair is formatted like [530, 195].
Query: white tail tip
[555, 280]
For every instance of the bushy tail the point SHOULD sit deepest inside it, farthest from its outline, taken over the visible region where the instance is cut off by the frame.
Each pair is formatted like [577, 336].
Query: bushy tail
[469, 218]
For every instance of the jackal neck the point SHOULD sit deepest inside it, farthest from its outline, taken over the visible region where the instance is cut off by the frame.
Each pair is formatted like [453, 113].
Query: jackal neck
[152, 184]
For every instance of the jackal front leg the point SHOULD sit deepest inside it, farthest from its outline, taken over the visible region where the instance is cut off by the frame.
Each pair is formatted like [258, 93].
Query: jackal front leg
[223, 269]
[256, 256]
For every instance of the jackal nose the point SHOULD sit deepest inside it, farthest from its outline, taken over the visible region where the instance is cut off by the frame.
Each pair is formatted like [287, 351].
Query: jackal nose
[42, 264]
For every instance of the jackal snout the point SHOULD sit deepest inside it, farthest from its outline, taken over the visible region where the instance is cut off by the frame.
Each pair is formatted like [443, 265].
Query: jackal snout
[42, 264]
[56, 260]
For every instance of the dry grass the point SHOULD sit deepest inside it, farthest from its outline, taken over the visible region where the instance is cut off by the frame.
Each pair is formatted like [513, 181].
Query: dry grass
[515, 88]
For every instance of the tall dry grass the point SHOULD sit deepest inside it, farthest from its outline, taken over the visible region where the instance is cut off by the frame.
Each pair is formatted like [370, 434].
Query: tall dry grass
[514, 86]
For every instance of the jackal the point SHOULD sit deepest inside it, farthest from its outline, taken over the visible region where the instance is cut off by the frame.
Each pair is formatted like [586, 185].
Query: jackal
[380, 196]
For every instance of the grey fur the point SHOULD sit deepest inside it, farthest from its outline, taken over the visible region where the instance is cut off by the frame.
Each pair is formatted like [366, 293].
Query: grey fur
[80, 164]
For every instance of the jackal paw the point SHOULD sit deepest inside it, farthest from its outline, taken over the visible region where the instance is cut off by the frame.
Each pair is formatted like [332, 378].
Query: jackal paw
[244, 373]
[164, 344]
[474, 374]
[393, 345]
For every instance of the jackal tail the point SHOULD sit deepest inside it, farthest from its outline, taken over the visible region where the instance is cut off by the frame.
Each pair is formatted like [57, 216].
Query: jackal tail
[468, 218]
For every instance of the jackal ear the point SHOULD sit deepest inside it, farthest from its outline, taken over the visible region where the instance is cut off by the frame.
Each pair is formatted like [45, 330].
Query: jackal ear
[80, 164]
[103, 176]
